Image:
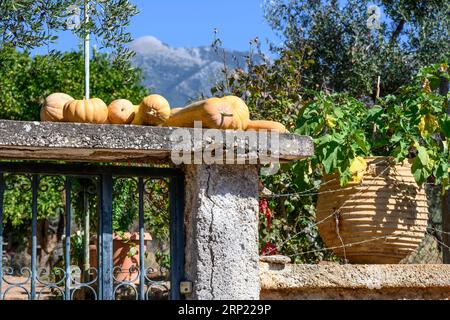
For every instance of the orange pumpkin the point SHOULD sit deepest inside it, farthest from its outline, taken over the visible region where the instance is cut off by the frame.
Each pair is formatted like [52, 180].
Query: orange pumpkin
[155, 109]
[121, 111]
[86, 111]
[52, 108]
[241, 114]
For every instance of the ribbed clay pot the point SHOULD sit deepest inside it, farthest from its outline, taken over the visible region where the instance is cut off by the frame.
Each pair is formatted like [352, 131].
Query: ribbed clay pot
[380, 220]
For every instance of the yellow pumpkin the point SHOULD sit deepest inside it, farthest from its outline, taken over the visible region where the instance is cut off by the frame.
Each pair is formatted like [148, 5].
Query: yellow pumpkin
[155, 109]
[213, 113]
[121, 111]
[52, 108]
[138, 116]
[86, 111]
[241, 114]
[266, 125]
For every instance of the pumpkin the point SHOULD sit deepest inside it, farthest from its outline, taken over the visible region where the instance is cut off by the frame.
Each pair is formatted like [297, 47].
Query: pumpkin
[120, 111]
[52, 108]
[86, 111]
[214, 113]
[266, 125]
[241, 114]
[174, 110]
[138, 116]
[155, 109]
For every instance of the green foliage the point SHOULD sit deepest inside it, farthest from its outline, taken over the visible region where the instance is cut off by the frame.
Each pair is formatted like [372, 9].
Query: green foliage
[18, 199]
[156, 207]
[125, 205]
[347, 55]
[291, 228]
[415, 123]
[25, 81]
[272, 90]
[403, 126]
[28, 24]
[163, 259]
[338, 124]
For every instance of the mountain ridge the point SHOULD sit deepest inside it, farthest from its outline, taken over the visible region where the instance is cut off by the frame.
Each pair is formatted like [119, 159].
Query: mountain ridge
[182, 74]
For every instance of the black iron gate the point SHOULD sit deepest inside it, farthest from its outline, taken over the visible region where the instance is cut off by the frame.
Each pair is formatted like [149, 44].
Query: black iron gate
[101, 283]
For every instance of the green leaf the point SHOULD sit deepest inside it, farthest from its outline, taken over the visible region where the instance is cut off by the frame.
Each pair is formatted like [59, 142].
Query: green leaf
[345, 177]
[338, 112]
[330, 156]
[423, 155]
[419, 171]
[132, 252]
[445, 126]
[360, 140]
[401, 151]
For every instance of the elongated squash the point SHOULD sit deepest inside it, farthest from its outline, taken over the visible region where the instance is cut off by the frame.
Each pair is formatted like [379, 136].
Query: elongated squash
[214, 113]
[174, 110]
[155, 109]
[266, 125]
[241, 114]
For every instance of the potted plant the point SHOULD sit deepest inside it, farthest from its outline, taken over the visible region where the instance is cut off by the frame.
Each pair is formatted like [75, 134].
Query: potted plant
[373, 209]
[126, 255]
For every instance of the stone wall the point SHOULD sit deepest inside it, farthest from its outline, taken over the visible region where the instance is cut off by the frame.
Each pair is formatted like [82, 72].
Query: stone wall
[334, 281]
[221, 222]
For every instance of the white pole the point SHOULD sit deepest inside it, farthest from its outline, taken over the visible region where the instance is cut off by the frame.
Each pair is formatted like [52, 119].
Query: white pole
[86, 51]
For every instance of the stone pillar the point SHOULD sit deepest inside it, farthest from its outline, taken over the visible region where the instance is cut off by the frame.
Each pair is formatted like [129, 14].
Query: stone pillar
[221, 221]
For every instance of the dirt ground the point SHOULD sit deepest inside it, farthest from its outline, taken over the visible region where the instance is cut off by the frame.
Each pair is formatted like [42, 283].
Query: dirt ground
[21, 292]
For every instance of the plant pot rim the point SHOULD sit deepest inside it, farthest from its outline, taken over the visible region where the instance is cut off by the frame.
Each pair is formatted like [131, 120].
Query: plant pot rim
[391, 159]
[131, 236]
[127, 236]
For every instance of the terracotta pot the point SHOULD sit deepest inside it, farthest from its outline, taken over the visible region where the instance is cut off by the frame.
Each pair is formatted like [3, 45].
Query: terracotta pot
[384, 217]
[126, 266]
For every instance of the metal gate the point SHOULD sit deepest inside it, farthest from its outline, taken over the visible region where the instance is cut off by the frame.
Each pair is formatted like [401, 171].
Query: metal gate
[102, 283]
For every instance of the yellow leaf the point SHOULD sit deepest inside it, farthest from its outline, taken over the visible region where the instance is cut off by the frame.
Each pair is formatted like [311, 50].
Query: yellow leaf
[428, 125]
[330, 121]
[357, 169]
[426, 86]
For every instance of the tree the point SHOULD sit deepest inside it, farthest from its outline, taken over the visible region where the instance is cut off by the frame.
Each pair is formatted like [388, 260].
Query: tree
[29, 24]
[347, 55]
[25, 81]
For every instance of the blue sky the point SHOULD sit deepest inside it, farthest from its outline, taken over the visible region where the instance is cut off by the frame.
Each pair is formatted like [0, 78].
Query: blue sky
[181, 23]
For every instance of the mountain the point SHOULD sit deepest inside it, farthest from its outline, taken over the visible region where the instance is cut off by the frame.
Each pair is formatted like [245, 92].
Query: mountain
[182, 74]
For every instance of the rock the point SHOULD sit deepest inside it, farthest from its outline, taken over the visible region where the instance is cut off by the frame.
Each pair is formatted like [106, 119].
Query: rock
[275, 259]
